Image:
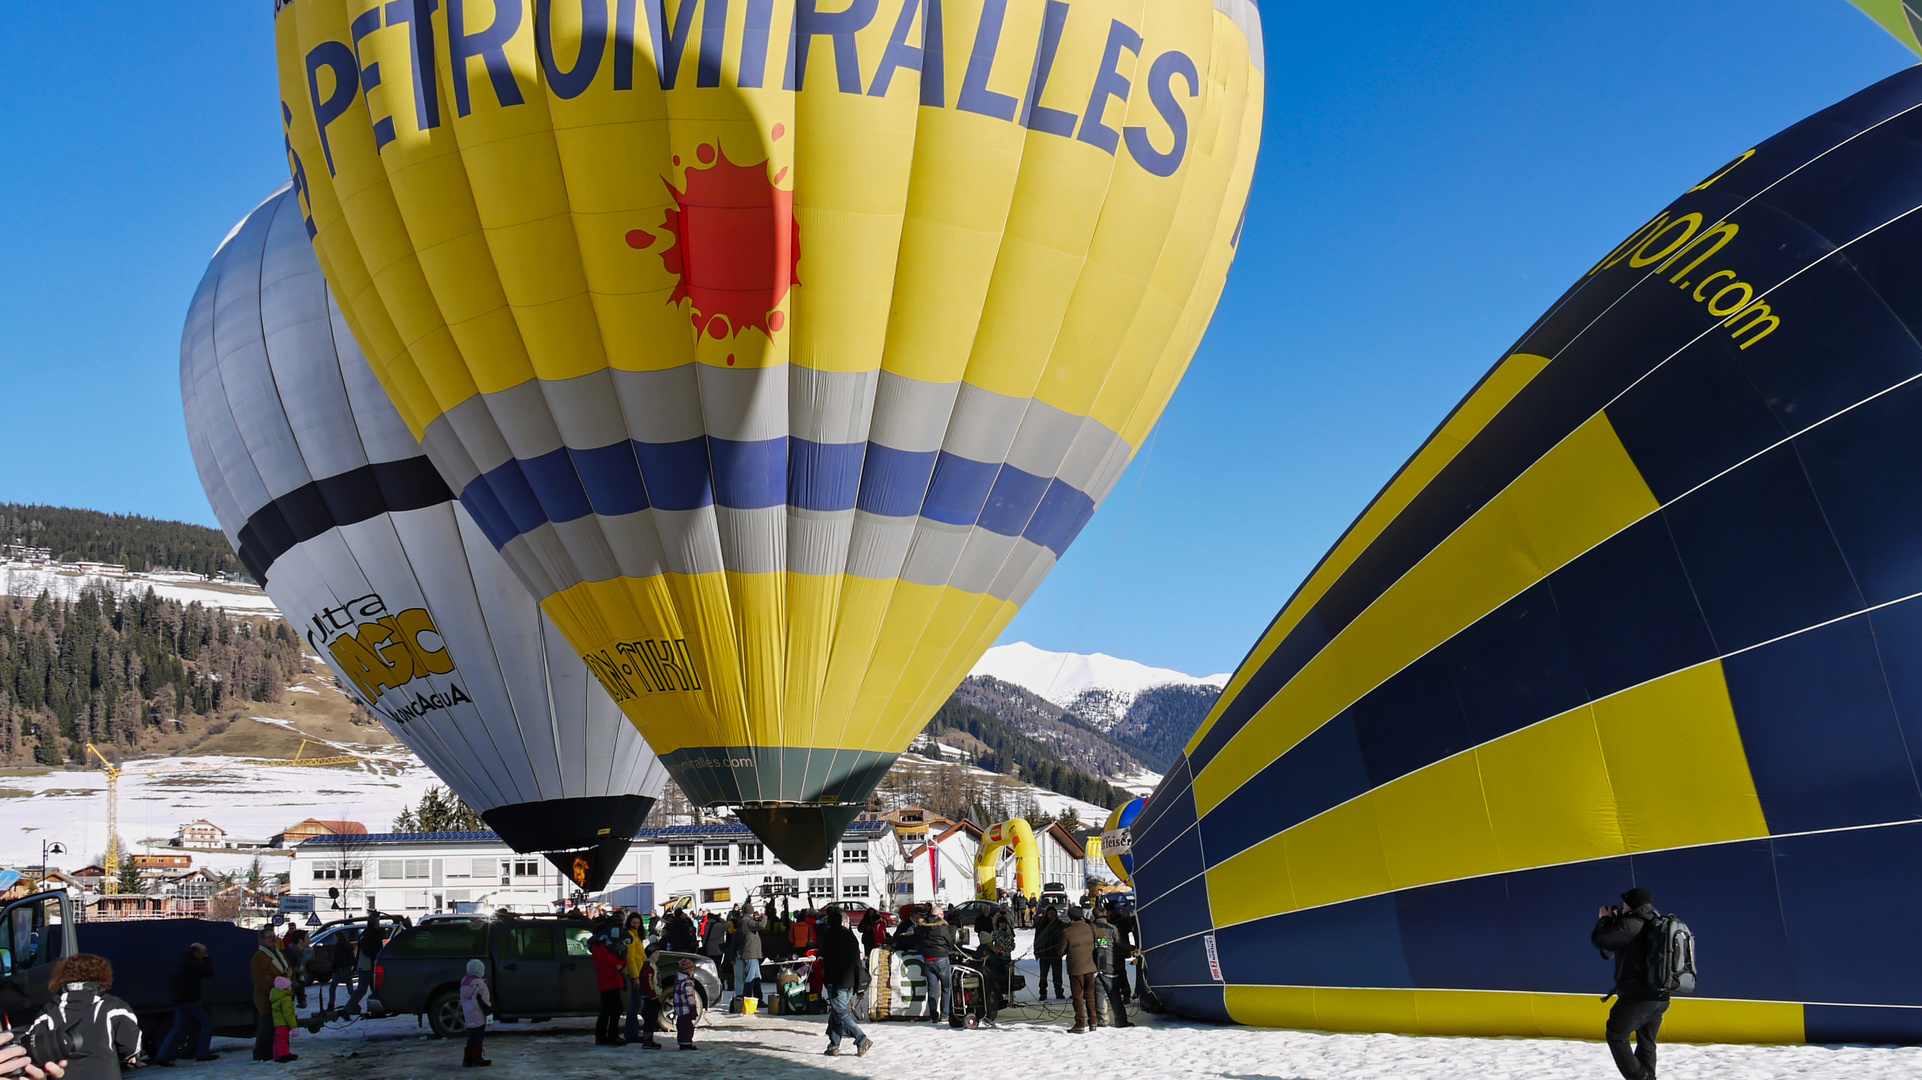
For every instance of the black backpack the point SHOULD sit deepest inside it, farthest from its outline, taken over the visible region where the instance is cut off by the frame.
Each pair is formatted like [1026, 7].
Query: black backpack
[1669, 966]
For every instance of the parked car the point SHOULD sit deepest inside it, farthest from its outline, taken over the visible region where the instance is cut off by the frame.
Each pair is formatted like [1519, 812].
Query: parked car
[324, 935]
[538, 967]
[38, 931]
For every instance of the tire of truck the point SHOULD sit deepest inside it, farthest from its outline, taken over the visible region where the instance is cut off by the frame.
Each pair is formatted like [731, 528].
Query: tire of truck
[153, 1029]
[444, 1015]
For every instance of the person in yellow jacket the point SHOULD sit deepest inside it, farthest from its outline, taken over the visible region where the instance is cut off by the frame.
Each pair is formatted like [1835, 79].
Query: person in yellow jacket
[280, 1001]
[634, 932]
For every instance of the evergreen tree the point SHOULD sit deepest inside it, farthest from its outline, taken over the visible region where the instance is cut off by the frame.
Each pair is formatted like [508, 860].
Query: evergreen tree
[131, 882]
[1011, 753]
[106, 669]
[439, 811]
[255, 876]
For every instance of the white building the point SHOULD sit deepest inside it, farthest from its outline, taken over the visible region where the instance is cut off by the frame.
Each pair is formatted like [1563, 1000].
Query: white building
[202, 833]
[712, 865]
[879, 862]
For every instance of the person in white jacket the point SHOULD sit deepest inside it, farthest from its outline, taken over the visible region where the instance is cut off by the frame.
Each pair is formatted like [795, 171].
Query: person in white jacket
[475, 1003]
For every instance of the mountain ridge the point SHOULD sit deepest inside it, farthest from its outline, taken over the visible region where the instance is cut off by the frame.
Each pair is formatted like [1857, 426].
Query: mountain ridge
[1111, 717]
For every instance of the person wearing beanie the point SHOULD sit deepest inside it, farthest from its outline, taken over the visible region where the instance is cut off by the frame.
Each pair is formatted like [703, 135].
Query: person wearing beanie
[687, 1005]
[1638, 1009]
[475, 1003]
[1078, 941]
[280, 1002]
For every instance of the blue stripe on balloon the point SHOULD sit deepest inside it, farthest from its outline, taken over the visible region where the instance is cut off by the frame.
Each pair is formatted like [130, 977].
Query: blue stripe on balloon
[624, 478]
[556, 482]
[1012, 500]
[487, 513]
[1060, 517]
[677, 473]
[749, 475]
[894, 483]
[612, 477]
[517, 497]
[959, 489]
[824, 476]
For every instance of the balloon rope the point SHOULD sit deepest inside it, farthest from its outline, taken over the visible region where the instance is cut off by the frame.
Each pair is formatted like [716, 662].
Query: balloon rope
[1113, 550]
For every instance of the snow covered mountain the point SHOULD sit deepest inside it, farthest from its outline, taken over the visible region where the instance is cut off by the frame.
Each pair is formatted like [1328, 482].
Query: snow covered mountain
[1099, 688]
[1082, 704]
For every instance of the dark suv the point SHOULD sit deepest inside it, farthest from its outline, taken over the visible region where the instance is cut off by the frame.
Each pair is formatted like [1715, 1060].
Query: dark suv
[537, 968]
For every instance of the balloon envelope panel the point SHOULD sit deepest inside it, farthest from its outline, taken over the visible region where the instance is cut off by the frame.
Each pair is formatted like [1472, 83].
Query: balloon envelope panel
[781, 352]
[1641, 612]
[332, 506]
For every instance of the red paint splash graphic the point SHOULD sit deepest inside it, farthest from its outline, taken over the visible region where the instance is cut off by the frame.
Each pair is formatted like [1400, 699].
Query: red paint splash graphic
[737, 247]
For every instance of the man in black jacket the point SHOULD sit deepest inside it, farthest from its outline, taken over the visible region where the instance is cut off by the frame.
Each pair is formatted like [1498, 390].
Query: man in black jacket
[195, 968]
[935, 941]
[366, 953]
[1638, 1006]
[1111, 967]
[681, 935]
[841, 980]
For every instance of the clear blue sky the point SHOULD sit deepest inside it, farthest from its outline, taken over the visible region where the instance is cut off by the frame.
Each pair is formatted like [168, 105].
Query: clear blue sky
[1432, 177]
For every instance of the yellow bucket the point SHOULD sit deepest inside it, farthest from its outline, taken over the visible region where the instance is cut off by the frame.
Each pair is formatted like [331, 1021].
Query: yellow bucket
[750, 1006]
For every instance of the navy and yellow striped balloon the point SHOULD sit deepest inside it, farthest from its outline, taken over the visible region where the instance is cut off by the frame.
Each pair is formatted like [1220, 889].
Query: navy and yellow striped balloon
[1646, 610]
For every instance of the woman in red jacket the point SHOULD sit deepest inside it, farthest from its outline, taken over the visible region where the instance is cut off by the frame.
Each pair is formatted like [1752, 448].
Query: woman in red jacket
[610, 975]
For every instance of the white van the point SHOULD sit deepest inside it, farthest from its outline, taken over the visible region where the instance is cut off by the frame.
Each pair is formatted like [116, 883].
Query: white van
[520, 902]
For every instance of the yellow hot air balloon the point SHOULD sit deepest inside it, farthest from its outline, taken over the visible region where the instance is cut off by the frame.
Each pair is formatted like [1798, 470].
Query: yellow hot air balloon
[780, 350]
[1898, 17]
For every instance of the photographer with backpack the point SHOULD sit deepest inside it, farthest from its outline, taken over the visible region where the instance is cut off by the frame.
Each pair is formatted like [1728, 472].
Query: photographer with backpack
[1654, 956]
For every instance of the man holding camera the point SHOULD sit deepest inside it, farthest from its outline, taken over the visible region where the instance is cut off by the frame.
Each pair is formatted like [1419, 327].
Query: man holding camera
[1638, 1009]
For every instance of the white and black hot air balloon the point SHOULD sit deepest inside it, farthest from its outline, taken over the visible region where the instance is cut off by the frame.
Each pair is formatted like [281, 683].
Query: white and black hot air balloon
[332, 507]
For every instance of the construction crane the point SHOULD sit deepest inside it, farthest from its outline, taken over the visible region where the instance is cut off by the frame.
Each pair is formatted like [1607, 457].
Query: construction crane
[111, 864]
[336, 759]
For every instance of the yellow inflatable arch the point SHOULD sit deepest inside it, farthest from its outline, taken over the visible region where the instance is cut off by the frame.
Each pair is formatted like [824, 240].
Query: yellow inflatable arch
[1027, 860]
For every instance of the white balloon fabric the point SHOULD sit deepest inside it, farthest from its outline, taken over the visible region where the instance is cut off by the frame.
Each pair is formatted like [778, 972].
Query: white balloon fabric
[332, 507]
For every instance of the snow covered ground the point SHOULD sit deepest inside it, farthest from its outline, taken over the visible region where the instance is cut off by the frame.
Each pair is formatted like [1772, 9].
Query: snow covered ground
[1036, 1047]
[251, 801]
[1062, 677]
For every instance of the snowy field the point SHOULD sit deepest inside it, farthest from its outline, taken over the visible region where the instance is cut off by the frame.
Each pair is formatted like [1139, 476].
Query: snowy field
[254, 802]
[1034, 1048]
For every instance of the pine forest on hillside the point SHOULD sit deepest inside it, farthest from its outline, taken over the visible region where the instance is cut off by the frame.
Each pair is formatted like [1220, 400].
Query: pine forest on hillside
[138, 543]
[109, 671]
[1009, 752]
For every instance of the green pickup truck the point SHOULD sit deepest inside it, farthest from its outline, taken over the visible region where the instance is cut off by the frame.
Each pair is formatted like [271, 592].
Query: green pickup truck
[538, 967]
